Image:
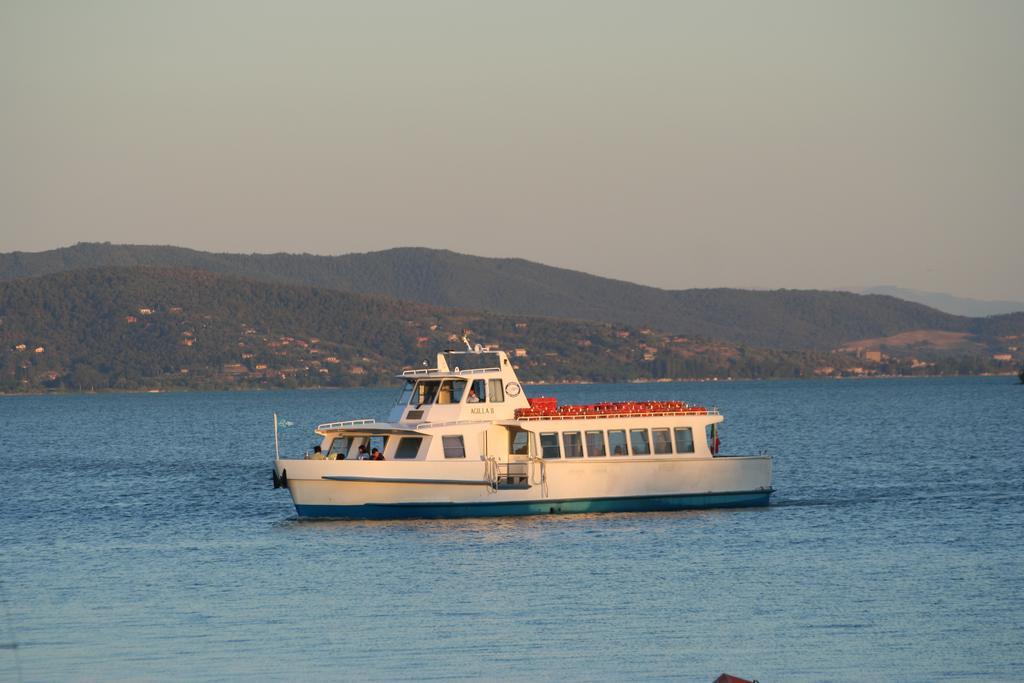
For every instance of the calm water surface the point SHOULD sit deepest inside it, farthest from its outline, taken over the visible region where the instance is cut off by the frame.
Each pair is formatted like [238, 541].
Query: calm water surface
[141, 539]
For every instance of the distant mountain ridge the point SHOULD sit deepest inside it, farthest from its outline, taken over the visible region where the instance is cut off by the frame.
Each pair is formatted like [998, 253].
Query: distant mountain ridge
[146, 327]
[948, 303]
[786, 319]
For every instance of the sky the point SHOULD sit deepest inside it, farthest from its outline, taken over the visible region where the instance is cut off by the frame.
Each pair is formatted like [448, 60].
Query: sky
[816, 144]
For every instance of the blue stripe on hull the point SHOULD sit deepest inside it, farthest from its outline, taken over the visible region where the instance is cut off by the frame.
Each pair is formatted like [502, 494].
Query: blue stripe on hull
[450, 510]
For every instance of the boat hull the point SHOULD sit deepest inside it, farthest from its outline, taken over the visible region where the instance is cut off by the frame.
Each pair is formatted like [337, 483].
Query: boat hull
[536, 507]
[391, 490]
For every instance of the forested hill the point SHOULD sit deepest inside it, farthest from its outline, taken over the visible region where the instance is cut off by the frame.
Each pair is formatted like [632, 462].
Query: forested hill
[792, 319]
[153, 327]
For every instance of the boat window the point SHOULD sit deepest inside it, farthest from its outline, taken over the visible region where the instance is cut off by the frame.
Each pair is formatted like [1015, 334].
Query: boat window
[408, 447]
[425, 392]
[549, 445]
[406, 392]
[476, 391]
[684, 440]
[449, 393]
[378, 442]
[572, 444]
[662, 441]
[595, 445]
[518, 441]
[617, 442]
[640, 442]
[496, 391]
[454, 446]
[339, 447]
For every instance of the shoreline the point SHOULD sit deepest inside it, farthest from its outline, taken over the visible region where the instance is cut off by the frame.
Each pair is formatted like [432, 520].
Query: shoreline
[569, 382]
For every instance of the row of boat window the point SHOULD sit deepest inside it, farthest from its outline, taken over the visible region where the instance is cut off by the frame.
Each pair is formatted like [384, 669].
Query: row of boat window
[454, 447]
[597, 443]
[449, 391]
[407, 449]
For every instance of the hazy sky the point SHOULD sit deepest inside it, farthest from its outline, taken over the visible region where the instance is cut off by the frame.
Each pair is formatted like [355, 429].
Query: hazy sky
[751, 144]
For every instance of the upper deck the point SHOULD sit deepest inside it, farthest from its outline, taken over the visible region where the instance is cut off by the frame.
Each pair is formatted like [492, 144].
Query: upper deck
[474, 385]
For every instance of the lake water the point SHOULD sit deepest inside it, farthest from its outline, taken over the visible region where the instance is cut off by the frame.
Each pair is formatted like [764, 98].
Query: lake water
[141, 539]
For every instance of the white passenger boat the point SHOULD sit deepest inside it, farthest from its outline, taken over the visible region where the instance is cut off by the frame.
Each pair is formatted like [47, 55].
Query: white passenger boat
[463, 440]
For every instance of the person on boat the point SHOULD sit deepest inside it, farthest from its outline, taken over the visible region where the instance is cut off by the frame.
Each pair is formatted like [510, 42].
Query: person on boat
[363, 454]
[376, 455]
[472, 398]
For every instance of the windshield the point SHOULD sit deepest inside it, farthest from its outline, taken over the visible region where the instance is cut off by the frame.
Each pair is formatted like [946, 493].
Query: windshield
[406, 392]
[425, 392]
[441, 392]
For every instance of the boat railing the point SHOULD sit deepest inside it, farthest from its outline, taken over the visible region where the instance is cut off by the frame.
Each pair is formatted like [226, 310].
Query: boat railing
[329, 426]
[511, 475]
[454, 371]
[475, 371]
[421, 371]
[450, 423]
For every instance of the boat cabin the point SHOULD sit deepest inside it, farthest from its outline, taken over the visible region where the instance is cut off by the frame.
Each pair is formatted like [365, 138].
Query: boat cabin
[471, 406]
[465, 385]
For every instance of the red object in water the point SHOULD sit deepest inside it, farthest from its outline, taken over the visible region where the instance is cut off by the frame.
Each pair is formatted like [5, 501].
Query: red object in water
[726, 678]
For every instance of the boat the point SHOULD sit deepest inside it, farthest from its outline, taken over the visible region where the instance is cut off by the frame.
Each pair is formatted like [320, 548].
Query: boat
[464, 440]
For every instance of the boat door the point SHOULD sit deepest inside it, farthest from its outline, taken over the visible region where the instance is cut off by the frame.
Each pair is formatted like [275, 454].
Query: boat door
[512, 450]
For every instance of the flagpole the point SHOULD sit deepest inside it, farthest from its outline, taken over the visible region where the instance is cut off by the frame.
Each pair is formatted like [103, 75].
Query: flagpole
[277, 443]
